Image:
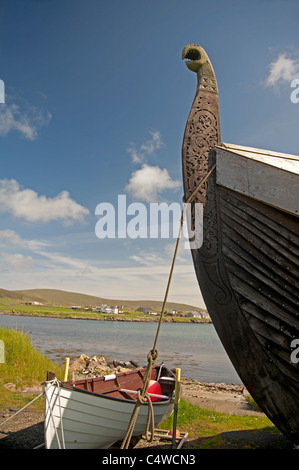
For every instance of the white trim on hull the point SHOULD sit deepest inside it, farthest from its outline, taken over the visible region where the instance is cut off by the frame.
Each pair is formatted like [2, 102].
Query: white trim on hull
[92, 421]
[270, 178]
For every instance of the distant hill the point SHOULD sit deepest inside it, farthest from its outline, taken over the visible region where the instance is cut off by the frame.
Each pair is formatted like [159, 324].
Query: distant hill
[57, 297]
[11, 296]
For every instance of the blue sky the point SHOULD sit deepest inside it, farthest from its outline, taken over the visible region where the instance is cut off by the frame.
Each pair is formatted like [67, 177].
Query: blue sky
[96, 101]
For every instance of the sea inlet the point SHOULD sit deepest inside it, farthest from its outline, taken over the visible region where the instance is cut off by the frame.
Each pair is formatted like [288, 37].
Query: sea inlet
[193, 347]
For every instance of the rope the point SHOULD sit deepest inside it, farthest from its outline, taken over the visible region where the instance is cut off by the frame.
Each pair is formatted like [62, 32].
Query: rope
[19, 411]
[55, 381]
[53, 422]
[61, 422]
[153, 354]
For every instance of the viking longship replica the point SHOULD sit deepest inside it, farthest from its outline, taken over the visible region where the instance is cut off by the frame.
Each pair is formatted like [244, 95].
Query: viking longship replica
[247, 265]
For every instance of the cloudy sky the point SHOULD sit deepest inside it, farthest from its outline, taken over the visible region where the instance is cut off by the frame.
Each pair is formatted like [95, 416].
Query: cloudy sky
[96, 101]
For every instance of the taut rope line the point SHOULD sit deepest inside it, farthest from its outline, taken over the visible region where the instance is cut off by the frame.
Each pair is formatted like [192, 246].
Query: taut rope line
[153, 354]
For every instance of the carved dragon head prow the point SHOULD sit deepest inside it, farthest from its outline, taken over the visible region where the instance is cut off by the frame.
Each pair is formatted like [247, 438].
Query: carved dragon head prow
[199, 62]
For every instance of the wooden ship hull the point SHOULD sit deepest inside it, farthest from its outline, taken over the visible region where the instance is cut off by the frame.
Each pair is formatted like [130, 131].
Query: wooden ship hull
[95, 413]
[247, 266]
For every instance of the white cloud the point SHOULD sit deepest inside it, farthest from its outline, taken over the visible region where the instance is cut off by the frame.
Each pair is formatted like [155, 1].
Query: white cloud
[25, 121]
[148, 148]
[149, 181]
[11, 237]
[145, 184]
[37, 244]
[18, 261]
[63, 260]
[27, 204]
[153, 144]
[283, 69]
[148, 259]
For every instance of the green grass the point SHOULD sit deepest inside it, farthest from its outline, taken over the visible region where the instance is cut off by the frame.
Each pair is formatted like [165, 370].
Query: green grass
[253, 403]
[35, 309]
[189, 413]
[65, 312]
[22, 366]
[68, 312]
[207, 424]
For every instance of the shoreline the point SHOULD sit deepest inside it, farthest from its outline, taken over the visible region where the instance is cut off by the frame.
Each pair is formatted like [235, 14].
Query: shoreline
[112, 318]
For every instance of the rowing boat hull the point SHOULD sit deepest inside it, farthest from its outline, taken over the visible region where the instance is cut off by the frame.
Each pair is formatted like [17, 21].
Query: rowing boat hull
[95, 413]
[92, 422]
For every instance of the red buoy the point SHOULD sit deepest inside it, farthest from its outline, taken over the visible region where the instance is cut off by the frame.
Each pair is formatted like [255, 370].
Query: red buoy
[177, 433]
[154, 387]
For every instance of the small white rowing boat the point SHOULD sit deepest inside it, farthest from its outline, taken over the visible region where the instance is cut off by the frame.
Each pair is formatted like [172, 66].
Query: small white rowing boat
[95, 413]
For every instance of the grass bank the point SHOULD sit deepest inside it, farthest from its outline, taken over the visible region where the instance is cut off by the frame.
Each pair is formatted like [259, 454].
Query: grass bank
[207, 429]
[22, 366]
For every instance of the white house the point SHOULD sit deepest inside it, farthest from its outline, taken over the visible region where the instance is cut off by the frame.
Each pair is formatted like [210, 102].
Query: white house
[33, 302]
[110, 309]
[193, 314]
[173, 312]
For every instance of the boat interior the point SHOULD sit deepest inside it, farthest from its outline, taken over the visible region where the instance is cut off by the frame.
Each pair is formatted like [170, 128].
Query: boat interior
[124, 386]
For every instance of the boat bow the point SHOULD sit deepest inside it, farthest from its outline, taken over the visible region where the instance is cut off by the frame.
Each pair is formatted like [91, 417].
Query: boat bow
[247, 266]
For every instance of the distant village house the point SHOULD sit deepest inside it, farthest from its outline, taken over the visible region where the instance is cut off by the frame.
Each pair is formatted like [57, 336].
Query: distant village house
[173, 312]
[195, 314]
[115, 309]
[147, 310]
[102, 309]
[31, 302]
[150, 312]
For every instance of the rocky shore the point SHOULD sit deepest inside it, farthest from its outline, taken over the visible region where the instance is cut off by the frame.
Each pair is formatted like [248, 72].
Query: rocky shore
[86, 367]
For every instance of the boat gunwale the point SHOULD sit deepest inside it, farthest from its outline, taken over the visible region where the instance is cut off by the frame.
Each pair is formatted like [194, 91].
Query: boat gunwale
[106, 396]
[234, 148]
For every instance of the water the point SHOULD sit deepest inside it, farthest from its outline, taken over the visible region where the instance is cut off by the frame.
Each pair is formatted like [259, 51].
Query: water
[193, 347]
